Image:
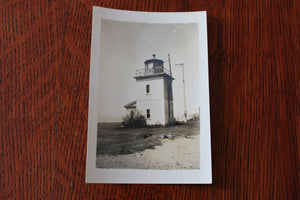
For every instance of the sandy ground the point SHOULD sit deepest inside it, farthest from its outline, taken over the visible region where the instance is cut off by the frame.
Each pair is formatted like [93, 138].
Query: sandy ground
[180, 153]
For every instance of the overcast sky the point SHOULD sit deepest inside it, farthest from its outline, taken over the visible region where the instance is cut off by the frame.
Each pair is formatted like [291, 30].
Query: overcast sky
[124, 46]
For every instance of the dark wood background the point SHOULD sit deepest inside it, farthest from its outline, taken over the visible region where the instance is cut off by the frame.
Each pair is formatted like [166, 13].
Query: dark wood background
[254, 93]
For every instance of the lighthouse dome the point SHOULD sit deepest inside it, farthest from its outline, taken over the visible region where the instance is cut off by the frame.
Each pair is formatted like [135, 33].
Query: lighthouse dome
[154, 60]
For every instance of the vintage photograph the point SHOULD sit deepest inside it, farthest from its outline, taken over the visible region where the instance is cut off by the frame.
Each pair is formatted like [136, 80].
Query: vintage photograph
[149, 96]
[149, 116]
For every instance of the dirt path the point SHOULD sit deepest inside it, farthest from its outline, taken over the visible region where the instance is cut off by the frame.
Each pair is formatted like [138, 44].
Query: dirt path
[181, 153]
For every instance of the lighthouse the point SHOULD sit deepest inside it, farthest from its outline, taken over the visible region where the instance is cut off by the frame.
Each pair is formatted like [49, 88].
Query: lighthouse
[154, 92]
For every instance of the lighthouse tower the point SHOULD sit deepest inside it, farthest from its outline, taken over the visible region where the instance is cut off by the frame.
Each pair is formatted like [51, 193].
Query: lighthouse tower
[154, 92]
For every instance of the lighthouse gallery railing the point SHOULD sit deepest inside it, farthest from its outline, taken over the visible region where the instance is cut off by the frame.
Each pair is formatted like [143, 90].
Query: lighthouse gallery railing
[147, 72]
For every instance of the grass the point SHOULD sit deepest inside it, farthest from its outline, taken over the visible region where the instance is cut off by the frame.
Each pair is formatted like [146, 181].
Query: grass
[113, 139]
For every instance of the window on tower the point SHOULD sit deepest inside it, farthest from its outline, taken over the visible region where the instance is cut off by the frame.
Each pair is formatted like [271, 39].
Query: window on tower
[148, 113]
[147, 89]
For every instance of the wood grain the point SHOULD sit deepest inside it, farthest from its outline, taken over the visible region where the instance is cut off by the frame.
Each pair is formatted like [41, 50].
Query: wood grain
[254, 93]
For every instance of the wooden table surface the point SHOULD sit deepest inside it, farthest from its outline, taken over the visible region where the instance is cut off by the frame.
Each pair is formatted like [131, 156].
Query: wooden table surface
[254, 74]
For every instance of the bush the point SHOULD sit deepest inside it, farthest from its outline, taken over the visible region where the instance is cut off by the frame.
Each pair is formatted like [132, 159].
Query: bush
[134, 120]
[174, 123]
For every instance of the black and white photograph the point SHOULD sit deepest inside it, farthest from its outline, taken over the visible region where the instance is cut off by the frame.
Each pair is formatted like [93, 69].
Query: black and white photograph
[148, 113]
[145, 96]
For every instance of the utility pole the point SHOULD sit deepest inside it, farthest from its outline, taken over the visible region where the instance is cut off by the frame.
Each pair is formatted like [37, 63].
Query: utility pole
[170, 65]
[169, 89]
[182, 68]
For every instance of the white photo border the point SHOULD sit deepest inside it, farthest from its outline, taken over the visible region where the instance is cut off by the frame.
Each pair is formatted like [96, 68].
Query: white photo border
[148, 176]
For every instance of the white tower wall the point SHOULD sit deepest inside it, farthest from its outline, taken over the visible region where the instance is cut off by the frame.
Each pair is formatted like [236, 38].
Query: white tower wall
[154, 100]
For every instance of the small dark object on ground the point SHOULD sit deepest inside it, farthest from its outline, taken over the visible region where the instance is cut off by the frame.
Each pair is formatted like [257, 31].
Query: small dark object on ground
[166, 136]
[143, 135]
